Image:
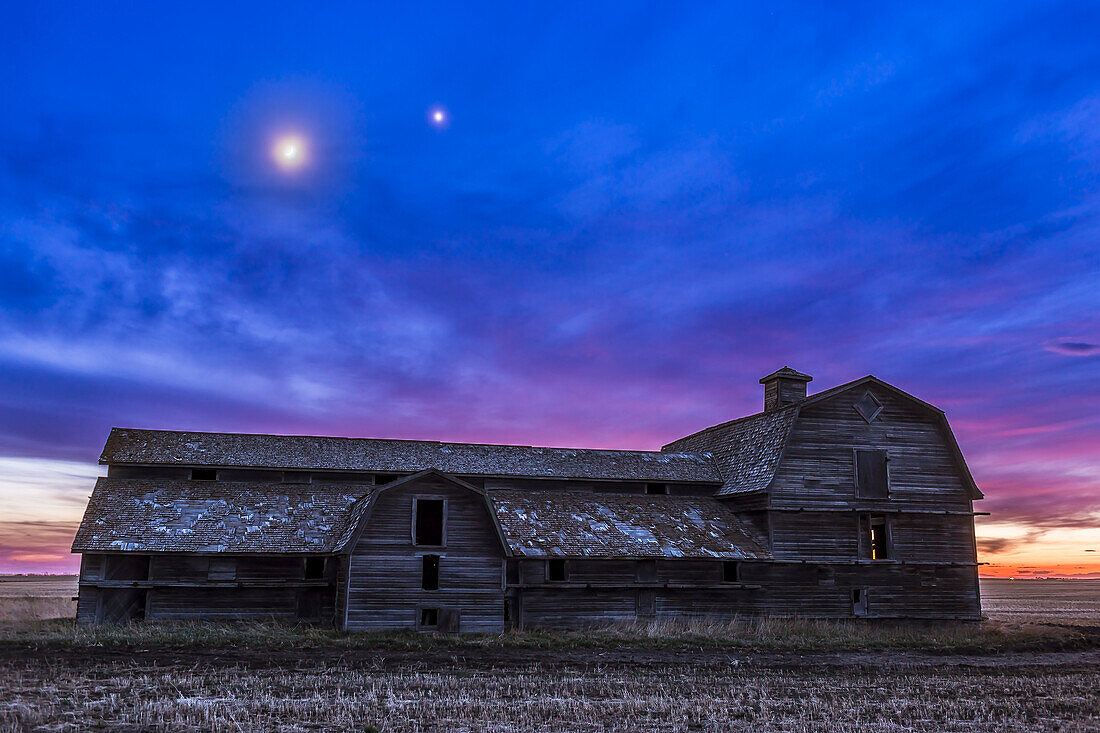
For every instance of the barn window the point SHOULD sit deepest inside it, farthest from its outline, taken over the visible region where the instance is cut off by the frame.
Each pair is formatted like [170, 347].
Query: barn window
[874, 540]
[315, 568]
[872, 477]
[204, 474]
[647, 571]
[555, 570]
[429, 576]
[656, 489]
[731, 571]
[127, 567]
[429, 617]
[428, 522]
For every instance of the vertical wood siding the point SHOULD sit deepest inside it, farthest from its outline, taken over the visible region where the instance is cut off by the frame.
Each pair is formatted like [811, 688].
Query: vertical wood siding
[385, 587]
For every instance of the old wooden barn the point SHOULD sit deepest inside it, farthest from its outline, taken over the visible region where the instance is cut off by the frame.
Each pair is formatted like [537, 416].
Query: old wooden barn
[852, 502]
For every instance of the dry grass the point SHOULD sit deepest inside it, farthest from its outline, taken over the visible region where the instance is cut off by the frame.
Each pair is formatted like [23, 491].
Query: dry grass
[706, 696]
[771, 674]
[747, 634]
[36, 609]
[1074, 602]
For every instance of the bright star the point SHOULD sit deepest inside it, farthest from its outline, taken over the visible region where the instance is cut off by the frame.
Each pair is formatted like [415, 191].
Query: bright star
[290, 151]
[439, 117]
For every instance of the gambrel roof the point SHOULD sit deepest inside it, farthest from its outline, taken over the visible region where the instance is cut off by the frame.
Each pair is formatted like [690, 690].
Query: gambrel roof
[131, 446]
[151, 515]
[748, 450]
[597, 525]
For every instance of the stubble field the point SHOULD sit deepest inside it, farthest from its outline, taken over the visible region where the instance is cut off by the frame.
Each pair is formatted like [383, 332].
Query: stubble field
[1034, 666]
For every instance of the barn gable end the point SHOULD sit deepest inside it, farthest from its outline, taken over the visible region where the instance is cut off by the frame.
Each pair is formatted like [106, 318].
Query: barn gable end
[403, 576]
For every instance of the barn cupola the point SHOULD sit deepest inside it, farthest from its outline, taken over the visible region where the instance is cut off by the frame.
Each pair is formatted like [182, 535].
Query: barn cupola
[784, 387]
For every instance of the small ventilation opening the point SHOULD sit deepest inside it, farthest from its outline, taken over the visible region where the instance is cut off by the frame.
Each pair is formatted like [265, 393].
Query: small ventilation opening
[430, 573]
[315, 568]
[204, 474]
[656, 489]
[555, 570]
[429, 617]
[859, 601]
[731, 571]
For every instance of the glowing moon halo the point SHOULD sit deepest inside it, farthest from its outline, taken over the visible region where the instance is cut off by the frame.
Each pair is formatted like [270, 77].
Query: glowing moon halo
[289, 152]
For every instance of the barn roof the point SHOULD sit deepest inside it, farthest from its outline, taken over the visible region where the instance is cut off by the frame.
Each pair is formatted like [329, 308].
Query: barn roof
[747, 450]
[126, 445]
[223, 516]
[587, 524]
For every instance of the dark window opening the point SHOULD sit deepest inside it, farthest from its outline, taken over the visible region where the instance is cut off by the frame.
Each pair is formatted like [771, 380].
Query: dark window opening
[123, 606]
[655, 489]
[429, 522]
[871, 474]
[315, 568]
[874, 537]
[204, 474]
[555, 570]
[127, 567]
[859, 601]
[647, 571]
[384, 478]
[731, 571]
[430, 573]
[429, 617]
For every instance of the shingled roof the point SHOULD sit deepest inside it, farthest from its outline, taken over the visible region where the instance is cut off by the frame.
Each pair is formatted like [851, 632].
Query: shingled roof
[586, 524]
[747, 450]
[222, 516]
[369, 454]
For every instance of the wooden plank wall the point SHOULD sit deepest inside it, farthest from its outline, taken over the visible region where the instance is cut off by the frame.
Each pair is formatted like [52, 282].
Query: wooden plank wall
[386, 567]
[594, 595]
[181, 587]
[817, 475]
[818, 467]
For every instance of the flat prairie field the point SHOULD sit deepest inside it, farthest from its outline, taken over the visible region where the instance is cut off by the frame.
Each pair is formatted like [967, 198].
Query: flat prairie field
[1034, 665]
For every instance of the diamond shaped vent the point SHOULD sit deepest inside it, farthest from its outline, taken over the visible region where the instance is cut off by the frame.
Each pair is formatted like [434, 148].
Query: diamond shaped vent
[868, 407]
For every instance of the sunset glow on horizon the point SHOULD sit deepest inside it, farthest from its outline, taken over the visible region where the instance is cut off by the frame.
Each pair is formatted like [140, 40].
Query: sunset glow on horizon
[490, 228]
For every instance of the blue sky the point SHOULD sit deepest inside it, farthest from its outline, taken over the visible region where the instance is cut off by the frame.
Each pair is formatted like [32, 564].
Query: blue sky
[633, 213]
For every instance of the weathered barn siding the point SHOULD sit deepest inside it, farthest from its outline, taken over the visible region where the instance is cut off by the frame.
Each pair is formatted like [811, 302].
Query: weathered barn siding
[894, 590]
[188, 586]
[818, 464]
[816, 508]
[771, 514]
[386, 567]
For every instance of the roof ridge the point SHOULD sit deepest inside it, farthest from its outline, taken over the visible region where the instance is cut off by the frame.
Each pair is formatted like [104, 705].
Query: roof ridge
[407, 440]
